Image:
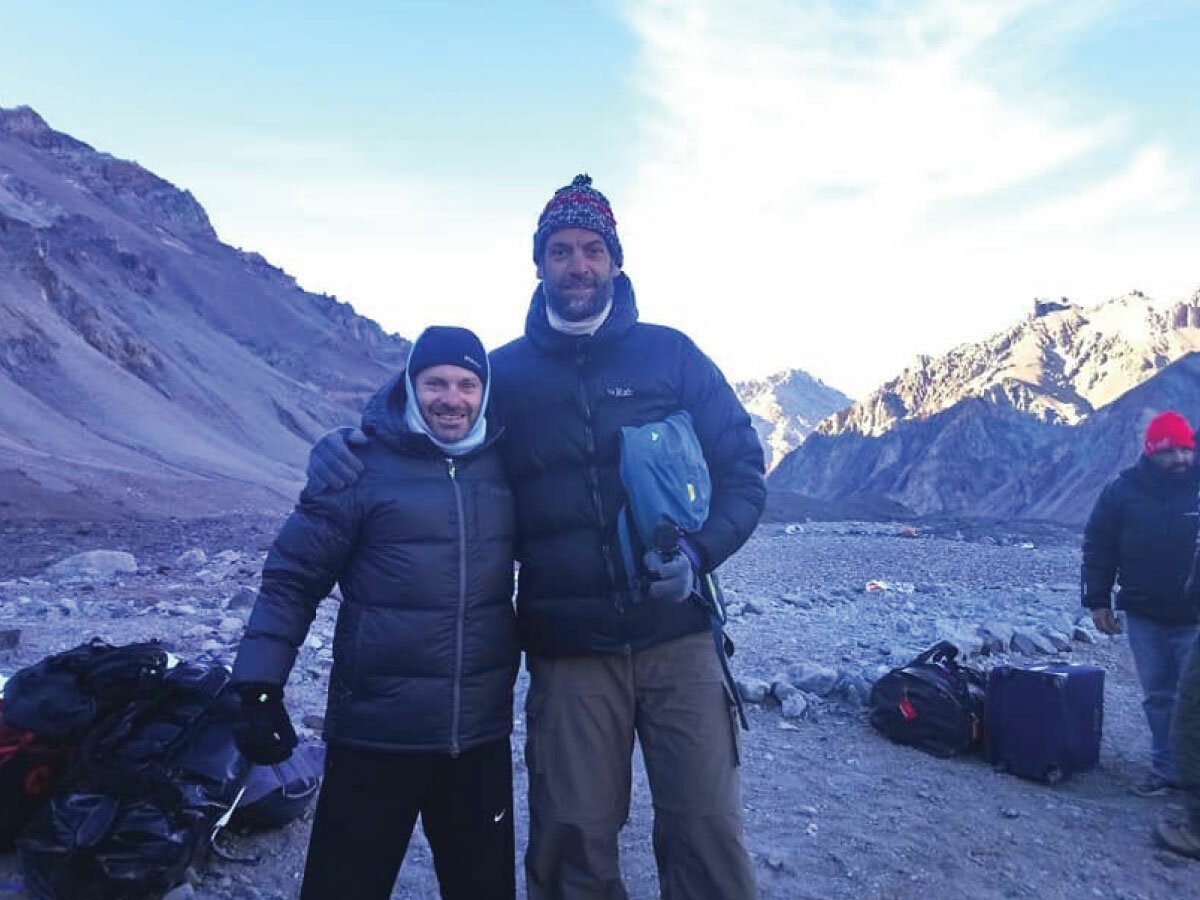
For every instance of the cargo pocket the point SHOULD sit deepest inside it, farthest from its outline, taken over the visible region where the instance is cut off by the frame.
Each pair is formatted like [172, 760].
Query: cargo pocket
[735, 724]
[535, 711]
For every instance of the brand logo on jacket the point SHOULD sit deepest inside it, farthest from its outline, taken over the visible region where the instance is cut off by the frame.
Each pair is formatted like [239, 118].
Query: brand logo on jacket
[619, 391]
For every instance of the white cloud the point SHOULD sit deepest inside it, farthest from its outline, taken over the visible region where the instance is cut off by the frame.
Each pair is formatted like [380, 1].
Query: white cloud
[840, 191]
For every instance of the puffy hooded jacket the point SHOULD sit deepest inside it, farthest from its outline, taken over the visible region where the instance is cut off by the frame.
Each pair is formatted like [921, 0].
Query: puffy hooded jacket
[1142, 535]
[425, 648]
[563, 400]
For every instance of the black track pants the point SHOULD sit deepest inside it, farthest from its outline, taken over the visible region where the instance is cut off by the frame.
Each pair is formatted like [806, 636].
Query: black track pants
[368, 808]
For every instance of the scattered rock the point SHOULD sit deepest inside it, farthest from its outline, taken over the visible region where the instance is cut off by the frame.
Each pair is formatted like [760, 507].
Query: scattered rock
[1030, 642]
[753, 690]
[191, 559]
[94, 564]
[812, 678]
[795, 706]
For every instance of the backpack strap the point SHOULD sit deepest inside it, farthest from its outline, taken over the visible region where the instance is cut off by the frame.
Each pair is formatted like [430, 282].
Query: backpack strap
[714, 601]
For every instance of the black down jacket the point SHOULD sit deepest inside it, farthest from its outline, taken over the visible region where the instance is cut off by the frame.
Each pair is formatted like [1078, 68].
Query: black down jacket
[1142, 535]
[425, 649]
[563, 400]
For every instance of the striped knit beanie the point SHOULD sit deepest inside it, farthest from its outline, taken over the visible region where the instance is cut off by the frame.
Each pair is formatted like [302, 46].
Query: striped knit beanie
[578, 205]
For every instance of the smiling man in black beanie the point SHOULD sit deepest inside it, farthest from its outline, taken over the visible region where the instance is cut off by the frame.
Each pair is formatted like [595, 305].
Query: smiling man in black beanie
[425, 649]
[609, 663]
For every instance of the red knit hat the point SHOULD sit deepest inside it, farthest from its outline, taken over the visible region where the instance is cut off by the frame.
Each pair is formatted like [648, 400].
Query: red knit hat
[1168, 431]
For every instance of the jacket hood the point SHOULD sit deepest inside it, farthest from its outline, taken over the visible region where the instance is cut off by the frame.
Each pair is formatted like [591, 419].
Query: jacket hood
[384, 418]
[621, 318]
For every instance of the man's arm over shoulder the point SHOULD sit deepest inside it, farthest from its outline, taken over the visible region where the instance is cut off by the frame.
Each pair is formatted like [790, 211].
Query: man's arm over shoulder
[332, 463]
[303, 564]
[733, 453]
[1101, 540]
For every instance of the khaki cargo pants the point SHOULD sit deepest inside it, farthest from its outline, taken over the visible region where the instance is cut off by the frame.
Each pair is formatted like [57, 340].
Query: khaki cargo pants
[582, 714]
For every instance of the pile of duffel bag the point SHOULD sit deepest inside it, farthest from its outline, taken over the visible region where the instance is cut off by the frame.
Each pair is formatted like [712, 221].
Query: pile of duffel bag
[117, 771]
[1041, 722]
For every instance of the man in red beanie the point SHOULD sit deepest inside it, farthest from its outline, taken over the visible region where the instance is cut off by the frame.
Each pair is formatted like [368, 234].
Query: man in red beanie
[1142, 536]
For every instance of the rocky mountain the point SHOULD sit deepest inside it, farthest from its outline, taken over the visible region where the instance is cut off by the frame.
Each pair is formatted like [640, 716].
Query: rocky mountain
[1059, 364]
[786, 407]
[145, 366]
[987, 459]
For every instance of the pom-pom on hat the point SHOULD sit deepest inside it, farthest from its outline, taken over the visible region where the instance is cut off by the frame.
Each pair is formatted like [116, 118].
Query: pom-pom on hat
[578, 205]
[1168, 431]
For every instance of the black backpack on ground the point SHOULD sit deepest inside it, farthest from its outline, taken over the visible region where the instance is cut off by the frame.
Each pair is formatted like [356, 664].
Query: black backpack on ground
[933, 703]
[279, 794]
[61, 697]
[144, 800]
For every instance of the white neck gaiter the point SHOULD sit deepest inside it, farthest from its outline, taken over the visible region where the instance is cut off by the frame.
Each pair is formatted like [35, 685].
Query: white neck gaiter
[587, 326]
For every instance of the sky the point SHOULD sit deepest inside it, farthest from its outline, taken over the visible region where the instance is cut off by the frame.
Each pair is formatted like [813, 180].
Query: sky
[831, 186]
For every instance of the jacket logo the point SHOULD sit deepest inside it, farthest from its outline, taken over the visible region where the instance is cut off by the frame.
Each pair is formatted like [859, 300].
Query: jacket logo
[619, 391]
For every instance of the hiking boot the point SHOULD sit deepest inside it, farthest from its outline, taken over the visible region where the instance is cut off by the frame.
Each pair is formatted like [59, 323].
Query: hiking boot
[1182, 839]
[1154, 786]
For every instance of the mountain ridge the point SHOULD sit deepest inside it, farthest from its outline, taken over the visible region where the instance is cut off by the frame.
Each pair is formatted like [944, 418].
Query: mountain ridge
[1060, 363]
[147, 367]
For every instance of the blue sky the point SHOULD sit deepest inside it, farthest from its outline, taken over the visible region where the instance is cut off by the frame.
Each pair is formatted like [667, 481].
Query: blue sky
[832, 186]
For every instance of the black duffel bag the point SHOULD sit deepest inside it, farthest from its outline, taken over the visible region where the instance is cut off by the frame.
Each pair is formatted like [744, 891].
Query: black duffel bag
[933, 703]
[61, 697]
[152, 785]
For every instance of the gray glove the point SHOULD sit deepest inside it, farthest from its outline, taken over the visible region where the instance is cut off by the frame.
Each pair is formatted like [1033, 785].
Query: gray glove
[671, 575]
[332, 465]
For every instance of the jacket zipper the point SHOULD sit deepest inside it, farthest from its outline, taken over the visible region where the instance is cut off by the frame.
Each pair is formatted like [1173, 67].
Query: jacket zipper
[594, 477]
[456, 708]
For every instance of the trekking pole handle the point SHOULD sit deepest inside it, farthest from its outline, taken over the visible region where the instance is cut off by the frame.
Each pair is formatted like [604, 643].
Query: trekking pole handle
[666, 539]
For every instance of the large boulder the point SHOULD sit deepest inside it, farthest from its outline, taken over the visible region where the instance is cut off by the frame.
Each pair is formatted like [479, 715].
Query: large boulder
[104, 565]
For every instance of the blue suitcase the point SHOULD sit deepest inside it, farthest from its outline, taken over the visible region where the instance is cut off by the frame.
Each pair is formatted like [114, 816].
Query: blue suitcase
[1043, 722]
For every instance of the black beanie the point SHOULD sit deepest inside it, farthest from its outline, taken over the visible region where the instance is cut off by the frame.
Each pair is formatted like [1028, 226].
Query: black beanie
[447, 345]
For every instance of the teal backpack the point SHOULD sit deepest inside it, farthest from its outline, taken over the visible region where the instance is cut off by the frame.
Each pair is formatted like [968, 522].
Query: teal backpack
[667, 496]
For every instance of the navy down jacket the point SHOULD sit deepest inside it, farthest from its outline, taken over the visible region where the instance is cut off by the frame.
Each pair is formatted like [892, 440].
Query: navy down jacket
[563, 400]
[425, 648]
[1142, 535]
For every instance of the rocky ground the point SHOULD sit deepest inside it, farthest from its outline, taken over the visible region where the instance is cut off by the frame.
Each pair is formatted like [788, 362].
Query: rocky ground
[832, 810]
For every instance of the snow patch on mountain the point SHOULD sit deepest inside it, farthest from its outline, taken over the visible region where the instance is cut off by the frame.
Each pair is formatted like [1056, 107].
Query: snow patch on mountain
[786, 407]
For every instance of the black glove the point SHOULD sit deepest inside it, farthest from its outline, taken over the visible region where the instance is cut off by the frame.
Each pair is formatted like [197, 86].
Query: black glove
[671, 575]
[264, 732]
[332, 465]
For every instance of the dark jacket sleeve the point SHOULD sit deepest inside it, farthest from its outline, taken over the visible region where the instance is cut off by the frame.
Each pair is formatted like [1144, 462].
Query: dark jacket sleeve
[1101, 537]
[301, 568]
[733, 453]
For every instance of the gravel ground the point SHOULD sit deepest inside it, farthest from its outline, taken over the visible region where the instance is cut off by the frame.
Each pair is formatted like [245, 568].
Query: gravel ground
[832, 810]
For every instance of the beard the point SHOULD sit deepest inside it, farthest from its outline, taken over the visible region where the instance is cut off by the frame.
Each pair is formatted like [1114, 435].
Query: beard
[578, 298]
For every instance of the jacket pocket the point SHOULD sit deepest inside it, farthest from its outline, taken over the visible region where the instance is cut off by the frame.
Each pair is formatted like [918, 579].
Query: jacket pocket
[347, 652]
[535, 722]
[735, 726]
